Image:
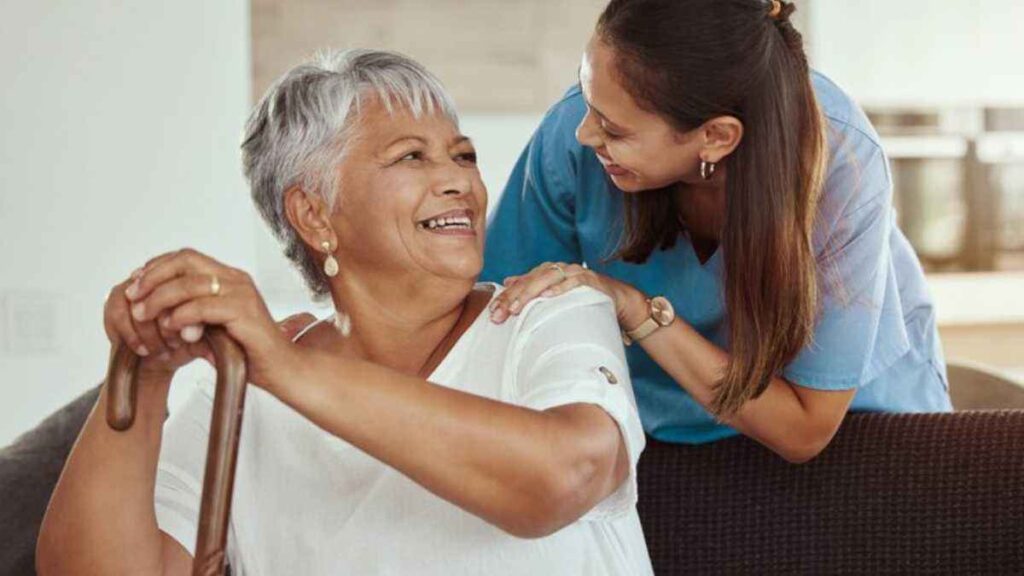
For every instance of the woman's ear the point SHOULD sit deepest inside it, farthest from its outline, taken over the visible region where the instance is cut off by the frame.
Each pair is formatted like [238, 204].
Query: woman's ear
[310, 217]
[722, 134]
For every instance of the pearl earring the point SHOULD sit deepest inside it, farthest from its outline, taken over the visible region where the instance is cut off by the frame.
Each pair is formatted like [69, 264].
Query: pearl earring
[330, 264]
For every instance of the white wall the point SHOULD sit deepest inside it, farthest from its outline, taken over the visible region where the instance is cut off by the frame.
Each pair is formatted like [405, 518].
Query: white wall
[121, 124]
[120, 141]
[922, 52]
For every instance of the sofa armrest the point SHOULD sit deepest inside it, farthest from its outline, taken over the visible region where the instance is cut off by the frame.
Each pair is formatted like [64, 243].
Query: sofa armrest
[29, 469]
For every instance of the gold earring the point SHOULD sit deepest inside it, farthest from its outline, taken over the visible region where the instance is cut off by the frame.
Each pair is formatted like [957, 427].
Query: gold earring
[330, 264]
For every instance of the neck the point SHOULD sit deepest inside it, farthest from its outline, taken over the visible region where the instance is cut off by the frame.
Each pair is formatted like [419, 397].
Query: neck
[399, 323]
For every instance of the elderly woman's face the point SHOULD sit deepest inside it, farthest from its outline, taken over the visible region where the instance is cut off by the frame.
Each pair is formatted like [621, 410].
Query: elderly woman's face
[411, 198]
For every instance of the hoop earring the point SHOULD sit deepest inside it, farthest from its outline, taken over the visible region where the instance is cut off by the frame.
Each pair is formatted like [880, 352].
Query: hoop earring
[330, 264]
[707, 169]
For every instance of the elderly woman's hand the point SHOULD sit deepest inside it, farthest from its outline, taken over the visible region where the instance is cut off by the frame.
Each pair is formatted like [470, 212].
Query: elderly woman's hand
[551, 279]
[176, 294]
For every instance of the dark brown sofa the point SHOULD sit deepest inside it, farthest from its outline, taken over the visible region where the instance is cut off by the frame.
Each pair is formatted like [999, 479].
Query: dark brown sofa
[892, 494]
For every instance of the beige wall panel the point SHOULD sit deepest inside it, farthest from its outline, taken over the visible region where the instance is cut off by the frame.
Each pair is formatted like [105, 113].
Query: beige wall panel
[493, 55]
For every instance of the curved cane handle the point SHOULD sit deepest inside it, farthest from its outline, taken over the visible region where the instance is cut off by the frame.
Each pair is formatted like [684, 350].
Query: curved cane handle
[222, 451]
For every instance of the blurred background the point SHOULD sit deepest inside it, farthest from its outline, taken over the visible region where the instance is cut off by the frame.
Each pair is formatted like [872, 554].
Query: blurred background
[122, 123]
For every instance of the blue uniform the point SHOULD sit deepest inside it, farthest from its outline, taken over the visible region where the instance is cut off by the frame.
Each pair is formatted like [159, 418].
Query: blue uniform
[876, 331]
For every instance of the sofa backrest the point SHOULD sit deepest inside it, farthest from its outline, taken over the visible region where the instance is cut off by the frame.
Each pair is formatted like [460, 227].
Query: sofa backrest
[892, 493]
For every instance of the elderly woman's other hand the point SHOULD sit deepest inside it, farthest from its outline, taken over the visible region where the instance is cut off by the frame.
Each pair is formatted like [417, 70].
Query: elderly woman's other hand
[183, 291]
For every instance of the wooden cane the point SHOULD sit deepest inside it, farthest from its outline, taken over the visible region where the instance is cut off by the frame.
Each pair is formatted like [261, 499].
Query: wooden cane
[222, 450]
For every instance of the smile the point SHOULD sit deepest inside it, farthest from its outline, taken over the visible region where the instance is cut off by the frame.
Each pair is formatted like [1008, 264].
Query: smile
[451, 223]
[611, 167]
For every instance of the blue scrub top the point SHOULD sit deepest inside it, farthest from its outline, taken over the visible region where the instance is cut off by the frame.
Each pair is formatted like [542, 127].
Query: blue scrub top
[876, 334]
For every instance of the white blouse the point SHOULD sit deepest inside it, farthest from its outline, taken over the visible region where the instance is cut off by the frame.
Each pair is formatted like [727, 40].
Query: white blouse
[307, 502]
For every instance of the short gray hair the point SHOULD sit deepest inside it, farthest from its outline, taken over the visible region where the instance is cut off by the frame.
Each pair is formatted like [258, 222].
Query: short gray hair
[297, 134]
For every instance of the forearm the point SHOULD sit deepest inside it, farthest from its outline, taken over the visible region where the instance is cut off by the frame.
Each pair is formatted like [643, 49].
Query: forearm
[778, 418]
[528, 472]
[100, 519]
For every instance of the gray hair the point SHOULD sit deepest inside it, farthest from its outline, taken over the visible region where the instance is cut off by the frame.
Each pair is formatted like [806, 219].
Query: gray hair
[298, 133]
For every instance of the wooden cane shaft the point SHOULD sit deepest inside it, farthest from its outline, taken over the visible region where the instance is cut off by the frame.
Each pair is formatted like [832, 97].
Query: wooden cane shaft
[222, 450]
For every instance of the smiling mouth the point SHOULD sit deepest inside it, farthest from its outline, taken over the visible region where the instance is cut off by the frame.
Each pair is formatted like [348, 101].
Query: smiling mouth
[454, 222]
[610, 166]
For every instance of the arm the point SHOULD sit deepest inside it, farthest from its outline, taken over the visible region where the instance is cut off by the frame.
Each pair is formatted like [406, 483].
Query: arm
[526, 471]
[100, 519]
[793, 421]
[101, 516]
[529, 469]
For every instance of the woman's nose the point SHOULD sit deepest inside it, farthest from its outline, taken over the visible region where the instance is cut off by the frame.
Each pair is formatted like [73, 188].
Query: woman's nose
[453, 182]
[585, 132]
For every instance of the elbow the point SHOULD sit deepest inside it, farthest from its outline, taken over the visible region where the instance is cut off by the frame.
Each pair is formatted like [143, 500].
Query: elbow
[805, 447]
[561, 497]
[543, 512]
[799, 455]
[530, 530]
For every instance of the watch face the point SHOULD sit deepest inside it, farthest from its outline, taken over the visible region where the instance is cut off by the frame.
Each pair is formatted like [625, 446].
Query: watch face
[662, 311]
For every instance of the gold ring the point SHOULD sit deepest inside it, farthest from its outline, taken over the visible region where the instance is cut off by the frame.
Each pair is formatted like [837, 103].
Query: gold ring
[560, 269]
[214, 285]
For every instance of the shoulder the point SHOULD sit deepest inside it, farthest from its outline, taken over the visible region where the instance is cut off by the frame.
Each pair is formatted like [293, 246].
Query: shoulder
[557, 130]
[585, 307]
[841, 112]
[858, 173]
[568, 111]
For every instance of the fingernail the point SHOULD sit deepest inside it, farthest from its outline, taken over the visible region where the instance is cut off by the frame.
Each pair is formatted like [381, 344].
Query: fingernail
[514, 306]
[165, 321]
[137, 273]
[497, 316]
[164, 357]
[138, 311]
[191, 333]
[133, 290]
[142, 351]
[494, 305]
[548, 293]
[174, 344]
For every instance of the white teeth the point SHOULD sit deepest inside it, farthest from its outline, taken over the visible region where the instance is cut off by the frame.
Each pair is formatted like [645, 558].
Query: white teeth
[460, 222]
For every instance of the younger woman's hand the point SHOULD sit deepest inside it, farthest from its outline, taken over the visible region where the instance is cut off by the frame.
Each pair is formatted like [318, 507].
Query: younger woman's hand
[551, 279]
[183, 291]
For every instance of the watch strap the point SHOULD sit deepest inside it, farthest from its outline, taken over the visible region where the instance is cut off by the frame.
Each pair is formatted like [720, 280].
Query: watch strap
[640, 332]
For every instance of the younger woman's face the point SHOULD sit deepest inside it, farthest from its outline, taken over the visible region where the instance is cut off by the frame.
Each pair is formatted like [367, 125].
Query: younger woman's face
[638, 149]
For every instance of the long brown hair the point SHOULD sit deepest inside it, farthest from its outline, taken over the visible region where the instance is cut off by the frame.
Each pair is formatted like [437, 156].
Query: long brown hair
[693, 60]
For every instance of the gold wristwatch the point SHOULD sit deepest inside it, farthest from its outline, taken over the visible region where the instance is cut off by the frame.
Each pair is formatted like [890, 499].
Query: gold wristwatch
[662, 314]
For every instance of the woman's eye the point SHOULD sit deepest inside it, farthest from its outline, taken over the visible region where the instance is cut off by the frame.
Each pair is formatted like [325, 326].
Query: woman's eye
[468, 157]
[411, 156]
[611, 135]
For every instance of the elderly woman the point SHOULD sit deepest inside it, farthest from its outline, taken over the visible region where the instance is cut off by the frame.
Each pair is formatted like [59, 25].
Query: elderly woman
[406, 434]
